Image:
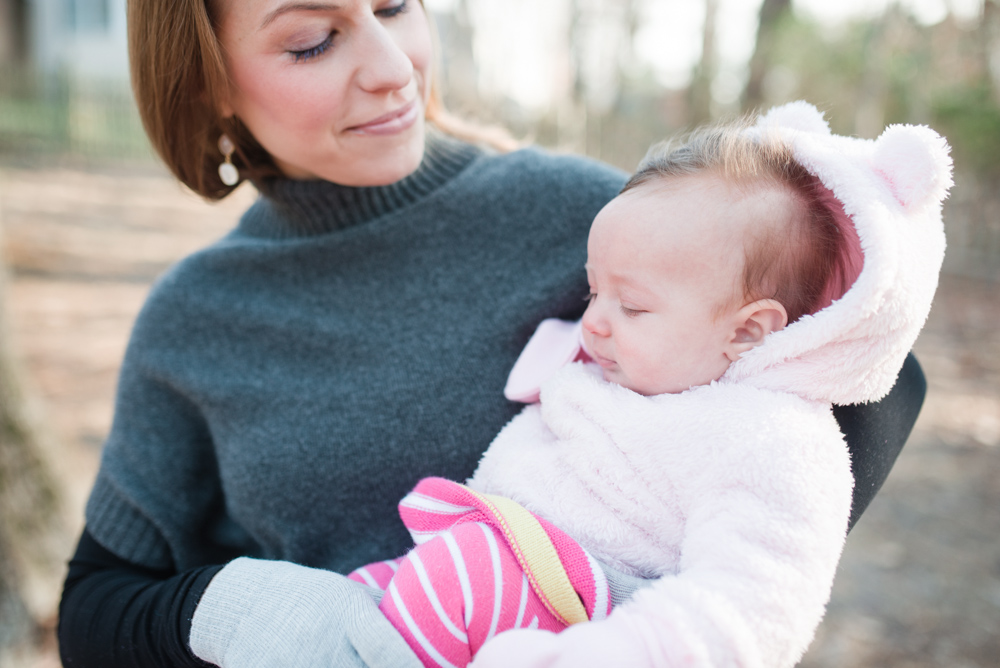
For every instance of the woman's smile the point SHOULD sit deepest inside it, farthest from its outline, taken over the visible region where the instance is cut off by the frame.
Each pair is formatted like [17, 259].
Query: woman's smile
[391, 123]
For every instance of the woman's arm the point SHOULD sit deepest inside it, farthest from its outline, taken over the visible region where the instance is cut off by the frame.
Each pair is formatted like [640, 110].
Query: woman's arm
[250, 612]
[876, 432]
[115, 614]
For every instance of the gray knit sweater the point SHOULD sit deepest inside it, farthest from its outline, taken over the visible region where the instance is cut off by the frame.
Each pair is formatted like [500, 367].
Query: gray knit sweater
[285, 387]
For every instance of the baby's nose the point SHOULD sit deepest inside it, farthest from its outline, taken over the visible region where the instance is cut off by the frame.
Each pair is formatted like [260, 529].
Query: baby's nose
[593, 321]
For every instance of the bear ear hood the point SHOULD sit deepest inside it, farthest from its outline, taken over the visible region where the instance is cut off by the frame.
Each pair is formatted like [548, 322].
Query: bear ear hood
[891, 191]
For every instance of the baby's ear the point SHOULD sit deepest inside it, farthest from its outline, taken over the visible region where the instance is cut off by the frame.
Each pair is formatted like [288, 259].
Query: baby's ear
[752, 324]
[915, 163]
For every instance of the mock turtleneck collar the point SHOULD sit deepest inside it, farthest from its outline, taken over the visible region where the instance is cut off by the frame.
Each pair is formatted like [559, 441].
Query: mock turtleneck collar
[293, 208]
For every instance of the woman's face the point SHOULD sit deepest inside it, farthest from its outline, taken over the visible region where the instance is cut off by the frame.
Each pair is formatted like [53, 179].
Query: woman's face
[333, 89]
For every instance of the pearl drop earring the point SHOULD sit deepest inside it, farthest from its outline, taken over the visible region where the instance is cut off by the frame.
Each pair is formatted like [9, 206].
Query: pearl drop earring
[227, 170]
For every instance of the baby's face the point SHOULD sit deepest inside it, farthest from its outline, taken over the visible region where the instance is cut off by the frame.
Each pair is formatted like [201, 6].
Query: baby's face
[663, 259]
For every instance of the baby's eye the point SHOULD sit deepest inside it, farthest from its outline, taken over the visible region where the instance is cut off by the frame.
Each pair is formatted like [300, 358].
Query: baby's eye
[590, 296]
[630, 312]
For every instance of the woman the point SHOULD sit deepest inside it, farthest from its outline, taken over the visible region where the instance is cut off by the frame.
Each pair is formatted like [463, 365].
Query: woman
[284, 387]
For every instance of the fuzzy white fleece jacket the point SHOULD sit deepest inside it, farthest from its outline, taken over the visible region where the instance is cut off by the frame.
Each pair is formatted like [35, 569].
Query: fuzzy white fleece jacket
[736, 495]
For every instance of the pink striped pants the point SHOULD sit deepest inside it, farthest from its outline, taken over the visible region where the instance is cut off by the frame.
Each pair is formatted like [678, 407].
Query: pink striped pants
[454, 592]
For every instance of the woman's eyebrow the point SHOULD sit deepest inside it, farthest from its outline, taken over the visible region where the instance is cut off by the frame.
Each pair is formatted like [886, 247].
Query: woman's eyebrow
[297, 7]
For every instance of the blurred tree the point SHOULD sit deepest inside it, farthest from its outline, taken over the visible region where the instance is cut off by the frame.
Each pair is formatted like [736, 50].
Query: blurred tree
[772, 14]
[458, 66]
[893, 69]
[864, 74]
[29, 507]
[990, 28]
[13, 31]
[700, 90]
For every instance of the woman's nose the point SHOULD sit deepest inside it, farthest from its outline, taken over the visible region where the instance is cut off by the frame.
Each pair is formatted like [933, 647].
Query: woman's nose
[593, 320]
[384, 65]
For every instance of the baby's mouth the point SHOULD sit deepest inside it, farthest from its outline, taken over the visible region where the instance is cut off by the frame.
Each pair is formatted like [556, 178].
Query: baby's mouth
[605, 362]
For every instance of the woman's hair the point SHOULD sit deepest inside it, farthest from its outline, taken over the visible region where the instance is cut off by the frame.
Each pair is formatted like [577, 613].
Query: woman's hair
[178, 78]
[805, 257]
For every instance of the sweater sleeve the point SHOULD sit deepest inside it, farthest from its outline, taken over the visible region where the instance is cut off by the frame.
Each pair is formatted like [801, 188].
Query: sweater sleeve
[115, 614]
[158, 500]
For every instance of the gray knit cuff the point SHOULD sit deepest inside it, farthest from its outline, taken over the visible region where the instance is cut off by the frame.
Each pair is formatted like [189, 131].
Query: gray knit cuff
[117, 524]
[622, 585]
[258, 613]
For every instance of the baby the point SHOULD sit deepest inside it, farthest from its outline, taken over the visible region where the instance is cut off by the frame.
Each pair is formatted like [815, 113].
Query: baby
[740, 284]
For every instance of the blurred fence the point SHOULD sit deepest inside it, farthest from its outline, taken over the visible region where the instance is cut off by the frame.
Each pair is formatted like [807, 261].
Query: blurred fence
[60, 116]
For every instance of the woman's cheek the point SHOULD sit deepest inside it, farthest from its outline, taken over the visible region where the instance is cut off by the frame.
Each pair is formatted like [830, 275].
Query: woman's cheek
[300, 99]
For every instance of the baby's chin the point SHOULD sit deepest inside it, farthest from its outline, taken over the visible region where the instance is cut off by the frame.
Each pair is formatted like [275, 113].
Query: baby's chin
[645, 387]
[615, 375]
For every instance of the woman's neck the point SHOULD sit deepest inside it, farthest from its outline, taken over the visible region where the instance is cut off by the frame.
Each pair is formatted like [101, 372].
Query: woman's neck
[313, 207]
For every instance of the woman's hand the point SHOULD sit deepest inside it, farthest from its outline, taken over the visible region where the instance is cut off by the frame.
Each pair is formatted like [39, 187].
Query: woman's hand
[275, 613]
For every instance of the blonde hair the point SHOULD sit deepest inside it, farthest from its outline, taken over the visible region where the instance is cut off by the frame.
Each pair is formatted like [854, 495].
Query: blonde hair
[178, 78]
[798, 259]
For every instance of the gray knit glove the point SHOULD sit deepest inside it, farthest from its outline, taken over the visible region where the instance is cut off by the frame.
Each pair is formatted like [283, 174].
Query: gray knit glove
[621, 586]
[264, 614]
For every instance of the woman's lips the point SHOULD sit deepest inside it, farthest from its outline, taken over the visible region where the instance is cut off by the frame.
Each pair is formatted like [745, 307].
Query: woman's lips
[392, 123]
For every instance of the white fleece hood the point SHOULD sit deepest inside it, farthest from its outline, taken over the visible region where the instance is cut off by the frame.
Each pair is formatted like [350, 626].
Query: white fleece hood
[892, 190]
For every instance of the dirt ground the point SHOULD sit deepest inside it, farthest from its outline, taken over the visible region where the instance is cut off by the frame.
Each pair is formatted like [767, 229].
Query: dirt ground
[919, 583]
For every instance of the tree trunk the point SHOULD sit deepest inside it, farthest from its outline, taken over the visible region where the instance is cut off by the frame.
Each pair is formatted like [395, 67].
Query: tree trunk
[29, 507]
[873, 89]
[772, 13]
[700, 91]
[989, 27]
[13, 31]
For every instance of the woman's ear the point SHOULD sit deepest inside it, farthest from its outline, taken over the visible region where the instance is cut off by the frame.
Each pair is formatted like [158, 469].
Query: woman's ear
[752, 323]
[224, 105]
[221, 102]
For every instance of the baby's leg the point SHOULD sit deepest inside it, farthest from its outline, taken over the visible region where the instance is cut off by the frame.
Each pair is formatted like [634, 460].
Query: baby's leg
[377, 574]
[459, 589]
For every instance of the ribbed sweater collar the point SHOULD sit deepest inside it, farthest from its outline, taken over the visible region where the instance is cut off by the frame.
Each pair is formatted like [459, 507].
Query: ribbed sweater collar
[294, 208]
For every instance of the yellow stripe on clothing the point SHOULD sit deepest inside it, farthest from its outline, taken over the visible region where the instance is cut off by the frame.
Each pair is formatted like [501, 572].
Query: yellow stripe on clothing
[538, 557]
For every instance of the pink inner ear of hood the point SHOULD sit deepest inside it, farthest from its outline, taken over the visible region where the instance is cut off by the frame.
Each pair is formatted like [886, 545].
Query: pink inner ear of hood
[849, 268]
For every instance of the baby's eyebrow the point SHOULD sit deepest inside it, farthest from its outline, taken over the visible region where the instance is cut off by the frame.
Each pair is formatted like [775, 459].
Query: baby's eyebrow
[634, 291]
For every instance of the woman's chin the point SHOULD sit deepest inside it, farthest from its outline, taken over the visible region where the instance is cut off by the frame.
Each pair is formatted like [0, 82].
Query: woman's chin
[364, 160]
[383, 160]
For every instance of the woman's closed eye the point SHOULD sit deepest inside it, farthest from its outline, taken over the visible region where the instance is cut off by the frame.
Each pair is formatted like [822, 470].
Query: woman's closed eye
[313, 51]
[302, 55]
[395, 10]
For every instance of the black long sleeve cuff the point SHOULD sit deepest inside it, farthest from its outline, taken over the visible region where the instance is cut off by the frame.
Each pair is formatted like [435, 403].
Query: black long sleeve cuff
[114, 614]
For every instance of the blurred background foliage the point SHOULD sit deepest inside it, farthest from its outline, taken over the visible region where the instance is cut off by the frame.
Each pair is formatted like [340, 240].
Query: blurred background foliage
[889, 62]
[92, 219]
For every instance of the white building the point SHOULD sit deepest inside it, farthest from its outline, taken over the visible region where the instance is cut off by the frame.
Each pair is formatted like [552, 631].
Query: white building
[82, 37]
